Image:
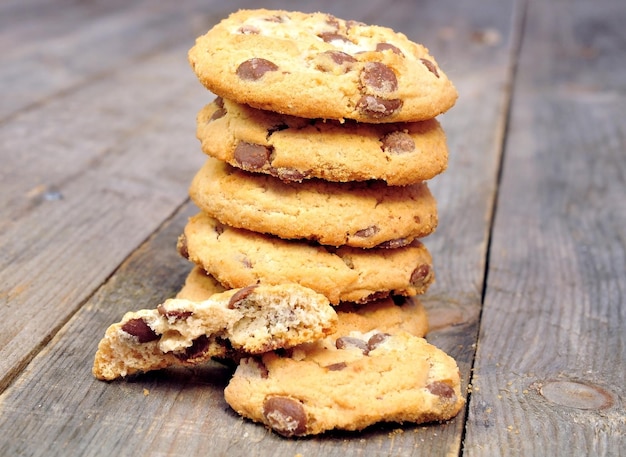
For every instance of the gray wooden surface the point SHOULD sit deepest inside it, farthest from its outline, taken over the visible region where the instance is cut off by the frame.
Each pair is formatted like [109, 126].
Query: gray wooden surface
[97, 140]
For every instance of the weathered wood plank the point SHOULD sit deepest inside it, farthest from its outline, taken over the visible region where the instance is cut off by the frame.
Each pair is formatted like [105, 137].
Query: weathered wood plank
[51, 48]
[184, 411]
[86, 178]
[550, 369]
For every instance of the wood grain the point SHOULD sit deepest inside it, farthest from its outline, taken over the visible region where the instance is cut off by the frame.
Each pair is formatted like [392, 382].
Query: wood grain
[89, 177]
[549, 375]
[98, 147]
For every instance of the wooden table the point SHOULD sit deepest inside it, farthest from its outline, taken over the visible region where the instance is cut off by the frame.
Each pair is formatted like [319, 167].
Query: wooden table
[97, 136]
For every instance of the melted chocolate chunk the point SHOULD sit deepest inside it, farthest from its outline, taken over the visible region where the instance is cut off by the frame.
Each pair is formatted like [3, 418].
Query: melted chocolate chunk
[336, 366]
[421, 275]
[174, 313]
[254, 69]
[289, 174]
[140, 330]
[398, 143]
[198, 348]
[376, 340]
[441, 389]
[347, 342]
[387, 46]
[264, 373]
[240, 295]
[367, 232]
[431, 67]
[378, 78]
[375, 296]
[247, 29]
[340, 57]
[393, 244]
[218, 113]
[275, 18]
[219, 228]
[332, 36]
[377, 108]
[285, 415]
[399, 300]
[252, 156]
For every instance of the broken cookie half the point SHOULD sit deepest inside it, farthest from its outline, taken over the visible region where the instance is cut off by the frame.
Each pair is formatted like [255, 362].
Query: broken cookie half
[250, 320]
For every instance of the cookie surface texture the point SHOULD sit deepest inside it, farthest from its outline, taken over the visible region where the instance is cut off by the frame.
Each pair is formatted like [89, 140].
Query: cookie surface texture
[294, 148]
[182, 332]
[239, 258]
[391, 315]
[199, 286]
[347, 382]
[363, 214]
[319, 66]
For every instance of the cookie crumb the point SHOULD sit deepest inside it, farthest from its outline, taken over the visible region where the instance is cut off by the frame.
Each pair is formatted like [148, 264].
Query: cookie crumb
[146, 392]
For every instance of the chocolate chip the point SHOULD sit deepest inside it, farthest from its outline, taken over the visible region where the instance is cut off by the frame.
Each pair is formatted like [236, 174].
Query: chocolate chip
[329, 37]
[219, 228]
[285, 415]
[240, 295]
[264, 373]
[421, 275]
[387, 46]
[367, 232]
[174, 313]
[376, 107]
[399, 300]
[378, 78]
[198, 348]
[140, 329]
[219, 101]
[247, 29]
[398, 143]
[431, 67]
[218, 113]
[339, 57]
[181, 246]
[376, 340]
[375, 296]
[441, 389]
[254, 69]
[336, 366]
[350, 24]
[393, 244]
[289, 174]
[348, 342]
[275, 18]
[278, 127]
[252, 156]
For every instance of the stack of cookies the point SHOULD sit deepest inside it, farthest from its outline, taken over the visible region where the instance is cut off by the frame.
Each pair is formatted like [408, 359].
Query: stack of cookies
[320, 142]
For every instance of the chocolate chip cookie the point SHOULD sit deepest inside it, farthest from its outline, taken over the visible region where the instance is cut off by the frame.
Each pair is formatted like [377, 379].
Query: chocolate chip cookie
[359, 214]
[294, 148]
[320, 66]
[239, 258]
[347, 382]
[250, 320]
